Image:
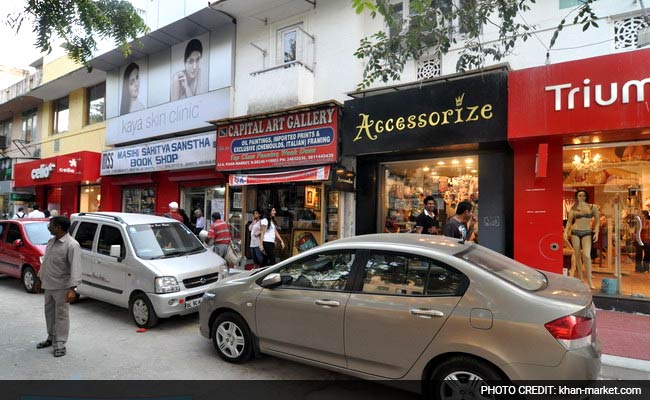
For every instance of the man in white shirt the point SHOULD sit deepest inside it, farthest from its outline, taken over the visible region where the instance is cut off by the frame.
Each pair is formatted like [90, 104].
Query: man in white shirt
[20, 214]
[36, 213]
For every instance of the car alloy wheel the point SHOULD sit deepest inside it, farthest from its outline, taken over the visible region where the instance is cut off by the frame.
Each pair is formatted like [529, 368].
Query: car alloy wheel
[232, 338]
[142, 312]
[29, 280]
[461, 385]
[461, 377]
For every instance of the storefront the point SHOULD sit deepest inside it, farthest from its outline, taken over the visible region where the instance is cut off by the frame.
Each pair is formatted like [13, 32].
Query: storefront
[67, 183]
[285, 161]
[583, 126]
[145, 178]
[445, 139]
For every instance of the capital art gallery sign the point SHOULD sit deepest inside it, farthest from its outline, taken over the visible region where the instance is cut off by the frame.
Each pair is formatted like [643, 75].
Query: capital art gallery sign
[302, 138]
[178, 153]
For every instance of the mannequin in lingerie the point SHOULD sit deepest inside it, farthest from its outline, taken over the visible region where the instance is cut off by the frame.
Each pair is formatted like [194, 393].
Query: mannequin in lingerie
[578, 228]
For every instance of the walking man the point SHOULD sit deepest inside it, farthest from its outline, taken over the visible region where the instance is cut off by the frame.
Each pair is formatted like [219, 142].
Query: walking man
[59, 275]
[220, 234]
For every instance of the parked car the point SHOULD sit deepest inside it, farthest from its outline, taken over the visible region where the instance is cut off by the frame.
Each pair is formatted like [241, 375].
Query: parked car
[422, 308]
[22, 243]
[154, 266]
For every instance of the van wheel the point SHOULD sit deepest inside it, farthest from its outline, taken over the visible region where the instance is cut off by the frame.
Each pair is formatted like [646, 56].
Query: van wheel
[29, 279]
[232, 338]
[142, 311]
[460, 377]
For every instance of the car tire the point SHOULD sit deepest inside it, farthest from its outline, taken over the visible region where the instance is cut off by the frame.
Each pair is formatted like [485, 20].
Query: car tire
[457, 376]
[28, 278]
[142, 311]
[232, 338]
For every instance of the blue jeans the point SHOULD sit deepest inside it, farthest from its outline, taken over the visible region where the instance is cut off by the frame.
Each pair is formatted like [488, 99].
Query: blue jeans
[258, 257]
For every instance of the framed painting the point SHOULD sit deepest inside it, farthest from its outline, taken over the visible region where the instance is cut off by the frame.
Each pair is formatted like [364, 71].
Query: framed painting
[310, 196]
[334, 199]
[303, 239]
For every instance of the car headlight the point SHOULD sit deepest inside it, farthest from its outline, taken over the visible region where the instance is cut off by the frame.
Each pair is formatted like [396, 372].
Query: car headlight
[167, 284]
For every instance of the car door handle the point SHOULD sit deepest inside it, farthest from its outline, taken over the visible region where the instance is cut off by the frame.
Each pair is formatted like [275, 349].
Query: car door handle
[97, 262]
[327, 303]
[426, 313]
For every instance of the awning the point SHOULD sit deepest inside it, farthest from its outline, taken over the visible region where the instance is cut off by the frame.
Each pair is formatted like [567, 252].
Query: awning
[76, 167]
[301, 175]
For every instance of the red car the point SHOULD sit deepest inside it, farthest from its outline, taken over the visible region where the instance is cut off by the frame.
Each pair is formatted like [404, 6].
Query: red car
[22, 243]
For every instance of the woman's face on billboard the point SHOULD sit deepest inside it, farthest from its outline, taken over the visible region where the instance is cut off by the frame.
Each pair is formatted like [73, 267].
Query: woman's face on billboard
[134, 83]
[192, 64]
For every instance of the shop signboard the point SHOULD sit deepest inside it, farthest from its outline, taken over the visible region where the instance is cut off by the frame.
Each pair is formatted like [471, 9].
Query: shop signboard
[449, 112]
[293, 139]
[179, 153]
[26, 197]
[68, 168]
[591, 95]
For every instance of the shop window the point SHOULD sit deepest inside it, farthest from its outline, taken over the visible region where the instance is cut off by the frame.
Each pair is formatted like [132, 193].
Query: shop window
[29, 125]
[615, 179]
[407, 183]
[61, 114]
[139, 200]
[96, 104]
[89, 198]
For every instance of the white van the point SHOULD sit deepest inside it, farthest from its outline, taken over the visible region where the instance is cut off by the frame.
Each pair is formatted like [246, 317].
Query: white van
[154, 266]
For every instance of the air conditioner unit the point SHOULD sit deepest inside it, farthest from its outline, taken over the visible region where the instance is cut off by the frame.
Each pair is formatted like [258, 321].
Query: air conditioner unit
[643, 37]
[4, 142]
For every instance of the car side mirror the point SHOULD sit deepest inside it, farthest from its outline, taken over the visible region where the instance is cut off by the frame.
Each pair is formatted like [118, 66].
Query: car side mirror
[18, 243]
[115, 251]
[271, 281]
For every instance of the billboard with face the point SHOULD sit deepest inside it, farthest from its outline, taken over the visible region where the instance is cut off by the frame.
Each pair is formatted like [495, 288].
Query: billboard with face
[190, 68]
[133, 87]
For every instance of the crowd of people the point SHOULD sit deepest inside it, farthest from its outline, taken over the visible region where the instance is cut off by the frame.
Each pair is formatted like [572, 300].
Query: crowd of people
[34, 212]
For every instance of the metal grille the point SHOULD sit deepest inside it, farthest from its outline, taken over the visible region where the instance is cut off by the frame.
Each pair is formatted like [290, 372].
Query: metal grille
[626, 31]
[428, 68]
[196, 281]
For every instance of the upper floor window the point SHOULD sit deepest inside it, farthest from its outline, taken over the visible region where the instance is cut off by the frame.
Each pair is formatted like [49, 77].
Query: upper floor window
[5, 133]
[29, 125]
[61, 114]
[288, 48]
[397, 11]
[96, 103]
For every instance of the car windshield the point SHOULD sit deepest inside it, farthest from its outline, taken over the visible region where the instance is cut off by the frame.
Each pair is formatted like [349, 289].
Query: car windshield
[163, 240]
[37, 232]
[512, 271]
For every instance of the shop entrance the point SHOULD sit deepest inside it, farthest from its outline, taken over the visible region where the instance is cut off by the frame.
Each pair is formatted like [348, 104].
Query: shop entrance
[616, 180]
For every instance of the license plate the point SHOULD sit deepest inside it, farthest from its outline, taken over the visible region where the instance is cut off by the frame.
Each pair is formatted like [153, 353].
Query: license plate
[193, 303]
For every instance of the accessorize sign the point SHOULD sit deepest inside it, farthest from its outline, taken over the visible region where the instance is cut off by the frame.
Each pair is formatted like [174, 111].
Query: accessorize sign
[595, 94]
[301, 175]
[464, 110]
[178, 116]
[301, 138]
[178, 153]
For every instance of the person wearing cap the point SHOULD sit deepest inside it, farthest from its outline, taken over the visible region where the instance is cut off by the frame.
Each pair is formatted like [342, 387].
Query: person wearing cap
[173, 212]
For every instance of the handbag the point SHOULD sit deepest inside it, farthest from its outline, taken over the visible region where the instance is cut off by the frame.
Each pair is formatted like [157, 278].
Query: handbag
[233, 255]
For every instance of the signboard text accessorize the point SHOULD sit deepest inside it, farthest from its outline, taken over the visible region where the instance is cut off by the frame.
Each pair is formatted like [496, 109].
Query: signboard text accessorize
[370, 129]
[185, 152]
[301, 138]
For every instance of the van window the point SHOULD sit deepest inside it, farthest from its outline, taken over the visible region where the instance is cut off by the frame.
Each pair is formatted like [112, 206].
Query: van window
[163, 240]
[37, 232]
[109, 236]
[86, 235]
[13, 233]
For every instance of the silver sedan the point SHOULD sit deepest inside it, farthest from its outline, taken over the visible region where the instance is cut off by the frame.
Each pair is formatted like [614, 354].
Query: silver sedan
[446, 313]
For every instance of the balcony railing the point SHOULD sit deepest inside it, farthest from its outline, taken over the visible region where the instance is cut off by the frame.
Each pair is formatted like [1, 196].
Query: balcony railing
[22, 87]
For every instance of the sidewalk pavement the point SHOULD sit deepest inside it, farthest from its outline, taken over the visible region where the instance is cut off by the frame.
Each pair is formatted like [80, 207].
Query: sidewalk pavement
[625, 343]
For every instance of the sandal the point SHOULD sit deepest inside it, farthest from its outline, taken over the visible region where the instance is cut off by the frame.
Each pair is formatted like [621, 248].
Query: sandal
[44, 344]
[59, 352]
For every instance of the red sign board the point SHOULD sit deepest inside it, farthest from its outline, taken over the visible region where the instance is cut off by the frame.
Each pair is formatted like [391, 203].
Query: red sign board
[302, 175]
[292, 139]
[73, 167]
[595, 94]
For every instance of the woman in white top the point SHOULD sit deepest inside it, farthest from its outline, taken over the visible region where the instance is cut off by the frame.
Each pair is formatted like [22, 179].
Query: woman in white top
[259, 260]
[269, 233]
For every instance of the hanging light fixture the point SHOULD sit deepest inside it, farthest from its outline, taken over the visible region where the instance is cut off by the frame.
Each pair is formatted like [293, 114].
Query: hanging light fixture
[587, 161]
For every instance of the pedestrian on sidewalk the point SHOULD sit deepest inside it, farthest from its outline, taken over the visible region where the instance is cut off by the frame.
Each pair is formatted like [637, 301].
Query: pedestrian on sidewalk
[220, 234]
[59, 276]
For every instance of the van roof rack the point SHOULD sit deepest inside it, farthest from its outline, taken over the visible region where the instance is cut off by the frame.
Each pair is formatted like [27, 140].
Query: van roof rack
[96, 214]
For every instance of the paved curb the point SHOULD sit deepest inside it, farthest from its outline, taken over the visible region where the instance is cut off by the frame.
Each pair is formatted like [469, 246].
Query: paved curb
[622, 368]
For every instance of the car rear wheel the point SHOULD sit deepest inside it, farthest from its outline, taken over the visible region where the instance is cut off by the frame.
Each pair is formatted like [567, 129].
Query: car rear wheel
[232, 338]
[29, 279]
[142, 311]
[461, 377]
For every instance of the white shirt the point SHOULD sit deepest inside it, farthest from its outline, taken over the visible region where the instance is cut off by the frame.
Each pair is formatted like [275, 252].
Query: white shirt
[36, 214]
[200, 222]
[19, 215]
[269, 235]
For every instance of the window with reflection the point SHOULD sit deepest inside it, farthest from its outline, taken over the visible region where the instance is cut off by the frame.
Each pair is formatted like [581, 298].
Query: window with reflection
[96, 108]
[61, 114]
[327, 271]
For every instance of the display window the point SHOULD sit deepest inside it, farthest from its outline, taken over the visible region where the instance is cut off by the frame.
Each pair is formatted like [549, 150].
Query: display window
[606, 200]
[139, 200]
[89, 198]
[407, 184]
